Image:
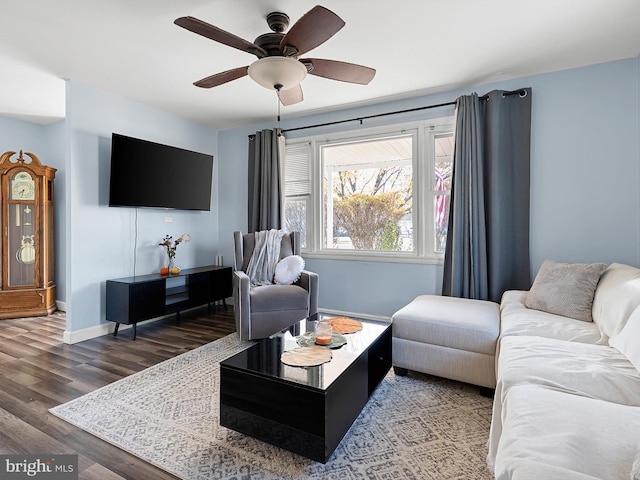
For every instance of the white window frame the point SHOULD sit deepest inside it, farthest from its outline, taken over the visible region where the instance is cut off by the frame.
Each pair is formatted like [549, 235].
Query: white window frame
[307, 200]
[424, 133]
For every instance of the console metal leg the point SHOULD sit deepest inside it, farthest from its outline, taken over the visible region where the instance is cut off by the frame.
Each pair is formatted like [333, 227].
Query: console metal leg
[134, 330]
[115, 332]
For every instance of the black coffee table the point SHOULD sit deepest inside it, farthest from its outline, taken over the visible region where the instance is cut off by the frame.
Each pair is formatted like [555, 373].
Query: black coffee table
[306, 410]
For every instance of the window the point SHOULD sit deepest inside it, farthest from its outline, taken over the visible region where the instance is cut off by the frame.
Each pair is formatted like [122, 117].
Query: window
[368, 194]
[378, 194]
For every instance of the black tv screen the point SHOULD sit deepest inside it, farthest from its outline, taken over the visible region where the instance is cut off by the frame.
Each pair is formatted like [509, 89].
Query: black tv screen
[148, 174]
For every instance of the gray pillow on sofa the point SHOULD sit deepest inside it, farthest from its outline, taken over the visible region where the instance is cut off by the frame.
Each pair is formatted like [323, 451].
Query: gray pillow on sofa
[565, 289]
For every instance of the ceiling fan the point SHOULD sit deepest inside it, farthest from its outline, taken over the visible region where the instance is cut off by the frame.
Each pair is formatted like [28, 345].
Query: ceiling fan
[278, 66]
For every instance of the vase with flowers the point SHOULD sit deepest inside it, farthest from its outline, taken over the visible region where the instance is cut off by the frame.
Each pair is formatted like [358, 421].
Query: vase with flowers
[171, 245]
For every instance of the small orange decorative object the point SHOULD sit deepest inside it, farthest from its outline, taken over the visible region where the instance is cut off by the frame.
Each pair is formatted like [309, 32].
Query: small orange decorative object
[175, 270]
[164, 271]
[324, 334]
[323, 340]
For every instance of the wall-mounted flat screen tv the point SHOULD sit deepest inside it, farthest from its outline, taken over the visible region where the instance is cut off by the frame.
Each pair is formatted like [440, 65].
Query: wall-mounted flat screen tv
[148, 174]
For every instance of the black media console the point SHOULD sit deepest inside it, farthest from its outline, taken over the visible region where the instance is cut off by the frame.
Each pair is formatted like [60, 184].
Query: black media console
[133, 299]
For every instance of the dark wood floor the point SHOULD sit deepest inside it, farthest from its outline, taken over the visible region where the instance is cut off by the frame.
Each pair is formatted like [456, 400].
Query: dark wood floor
[38, 371]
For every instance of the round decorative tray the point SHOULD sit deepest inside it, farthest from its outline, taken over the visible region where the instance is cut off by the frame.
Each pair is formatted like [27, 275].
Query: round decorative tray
[309, 339]
[345, 325]
[306, 356]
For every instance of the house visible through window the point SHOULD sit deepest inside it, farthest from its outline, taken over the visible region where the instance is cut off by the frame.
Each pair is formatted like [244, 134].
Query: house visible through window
[377, 194]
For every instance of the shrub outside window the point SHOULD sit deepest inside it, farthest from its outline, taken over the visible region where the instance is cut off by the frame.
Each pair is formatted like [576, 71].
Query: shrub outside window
[375, 194]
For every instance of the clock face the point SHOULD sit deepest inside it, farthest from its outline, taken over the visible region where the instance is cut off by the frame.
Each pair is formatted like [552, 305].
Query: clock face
[23, 191]
[22, 187]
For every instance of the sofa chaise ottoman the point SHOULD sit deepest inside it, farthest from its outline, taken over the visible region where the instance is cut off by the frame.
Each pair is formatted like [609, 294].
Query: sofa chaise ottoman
[448, 337]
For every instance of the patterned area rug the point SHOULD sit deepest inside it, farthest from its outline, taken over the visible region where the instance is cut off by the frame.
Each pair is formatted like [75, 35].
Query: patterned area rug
[414, 427]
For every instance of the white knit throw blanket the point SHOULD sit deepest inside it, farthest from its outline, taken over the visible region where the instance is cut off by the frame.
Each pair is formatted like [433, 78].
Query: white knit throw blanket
[266, 253]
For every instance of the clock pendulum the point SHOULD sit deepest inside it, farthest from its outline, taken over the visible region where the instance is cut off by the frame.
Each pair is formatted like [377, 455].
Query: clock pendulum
[27, 251]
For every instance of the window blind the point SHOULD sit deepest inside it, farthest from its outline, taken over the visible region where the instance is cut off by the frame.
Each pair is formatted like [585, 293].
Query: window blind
[297, 169]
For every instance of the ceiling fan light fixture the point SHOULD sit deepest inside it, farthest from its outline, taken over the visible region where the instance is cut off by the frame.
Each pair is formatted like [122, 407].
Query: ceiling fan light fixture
[272, 71]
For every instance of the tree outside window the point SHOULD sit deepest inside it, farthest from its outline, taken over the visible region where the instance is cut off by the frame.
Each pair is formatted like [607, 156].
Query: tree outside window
[368, 194]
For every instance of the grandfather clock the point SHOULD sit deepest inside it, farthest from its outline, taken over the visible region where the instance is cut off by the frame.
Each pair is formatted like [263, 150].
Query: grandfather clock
[27, 286]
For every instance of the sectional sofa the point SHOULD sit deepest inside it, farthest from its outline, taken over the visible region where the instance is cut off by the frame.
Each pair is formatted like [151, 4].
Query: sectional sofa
[567, 398]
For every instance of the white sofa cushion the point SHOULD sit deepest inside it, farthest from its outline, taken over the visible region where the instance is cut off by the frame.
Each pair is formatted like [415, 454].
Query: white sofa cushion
[528, 469]
[565, 432]
[617, 296]
[628, 340]
[635, 470]
[595, 371]
[517, 319]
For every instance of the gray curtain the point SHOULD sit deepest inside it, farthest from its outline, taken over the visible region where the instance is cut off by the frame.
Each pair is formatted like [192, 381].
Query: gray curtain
[265, 180]
[488, 234]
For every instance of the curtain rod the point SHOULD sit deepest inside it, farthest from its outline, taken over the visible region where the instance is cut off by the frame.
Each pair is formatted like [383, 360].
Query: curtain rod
[520, 91]
[360, 119]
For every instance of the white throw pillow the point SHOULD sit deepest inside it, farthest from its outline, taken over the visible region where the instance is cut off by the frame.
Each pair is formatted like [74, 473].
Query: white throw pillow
[627, 341]
[617, 296]
[288, 269]
[565, 289]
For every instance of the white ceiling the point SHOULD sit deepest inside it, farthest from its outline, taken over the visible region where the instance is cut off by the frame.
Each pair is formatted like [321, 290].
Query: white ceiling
[132, 48]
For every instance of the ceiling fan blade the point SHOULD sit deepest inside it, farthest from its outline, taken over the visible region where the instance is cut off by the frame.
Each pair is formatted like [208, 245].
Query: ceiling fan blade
[218, 35]
[291, 96]
[312, 29]
[342, 71]
[222, 77]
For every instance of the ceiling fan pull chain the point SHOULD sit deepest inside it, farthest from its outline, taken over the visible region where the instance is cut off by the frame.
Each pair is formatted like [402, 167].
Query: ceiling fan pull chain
[278, 87]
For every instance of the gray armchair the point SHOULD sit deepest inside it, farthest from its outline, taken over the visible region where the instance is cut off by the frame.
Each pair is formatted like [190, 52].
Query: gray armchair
[264, 310]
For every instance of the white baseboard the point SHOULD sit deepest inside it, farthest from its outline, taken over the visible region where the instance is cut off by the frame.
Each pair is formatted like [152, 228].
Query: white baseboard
[100, 330]
[62, 306]
[354, 314]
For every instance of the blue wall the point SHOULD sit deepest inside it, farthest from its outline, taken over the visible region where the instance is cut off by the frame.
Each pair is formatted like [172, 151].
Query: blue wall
[56, 153]
[102, 238]
[17, 135]
[584, 185]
